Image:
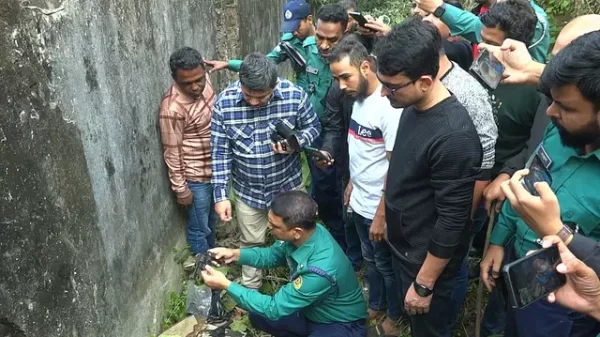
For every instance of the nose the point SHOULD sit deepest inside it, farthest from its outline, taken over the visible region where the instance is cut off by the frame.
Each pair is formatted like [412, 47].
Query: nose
[553, 111]
[324, 46]
[343, 85]
[385, 91]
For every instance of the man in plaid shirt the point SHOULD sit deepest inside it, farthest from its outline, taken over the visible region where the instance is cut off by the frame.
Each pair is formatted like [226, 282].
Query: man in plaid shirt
[243, 119]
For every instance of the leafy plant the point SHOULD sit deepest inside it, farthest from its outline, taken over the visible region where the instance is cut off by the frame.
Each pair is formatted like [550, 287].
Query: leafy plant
[174, 309]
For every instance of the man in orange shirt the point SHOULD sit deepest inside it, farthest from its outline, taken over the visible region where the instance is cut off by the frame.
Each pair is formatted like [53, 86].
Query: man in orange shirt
[185, 114]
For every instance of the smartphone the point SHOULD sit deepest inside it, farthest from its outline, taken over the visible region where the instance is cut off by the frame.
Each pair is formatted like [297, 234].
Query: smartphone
[487, 70]
[533, 277]
[359, 18]
[316, 154]
[537, 173]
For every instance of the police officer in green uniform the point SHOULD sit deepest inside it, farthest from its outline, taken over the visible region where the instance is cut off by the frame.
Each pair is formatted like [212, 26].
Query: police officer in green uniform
[323, 297]
[569, 159]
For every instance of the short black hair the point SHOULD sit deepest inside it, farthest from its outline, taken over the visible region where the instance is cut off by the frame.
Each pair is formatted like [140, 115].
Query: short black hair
[579, 64]
[186, 58]
[348, 4]
[351, 48]
[258, 72]
[412, 47]
[516, 18]
[296, 209]
[333, 13]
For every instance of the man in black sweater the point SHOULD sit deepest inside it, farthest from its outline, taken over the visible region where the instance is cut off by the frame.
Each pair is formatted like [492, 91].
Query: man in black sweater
[432, 172]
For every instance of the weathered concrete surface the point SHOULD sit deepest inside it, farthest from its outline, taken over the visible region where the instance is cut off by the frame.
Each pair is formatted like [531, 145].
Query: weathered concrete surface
[87, 219]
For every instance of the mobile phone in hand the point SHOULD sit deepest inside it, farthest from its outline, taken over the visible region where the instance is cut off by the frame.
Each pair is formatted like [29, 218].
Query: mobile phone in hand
[359, 18]
[533, 277]
[487, 70]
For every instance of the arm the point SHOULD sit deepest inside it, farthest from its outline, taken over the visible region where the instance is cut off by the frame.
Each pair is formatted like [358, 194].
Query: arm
[506, 226]
[463, 23]
[587, 250]
[263, 258]
[172, 125]
[333, 128]
[536, 136]
[221, 156]
[308, 123]
[454, 162]
[287, 300]
[276, 55]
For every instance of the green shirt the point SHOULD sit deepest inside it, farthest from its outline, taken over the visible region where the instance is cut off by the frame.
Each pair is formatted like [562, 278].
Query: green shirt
[468, 25]
[315, 78]
[310, 293]
[514, 107]
[575, 179]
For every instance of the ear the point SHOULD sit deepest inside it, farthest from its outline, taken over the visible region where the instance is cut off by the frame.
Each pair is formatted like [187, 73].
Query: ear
[425, 83]
[298, 233]
[365, 67]
[309, 18]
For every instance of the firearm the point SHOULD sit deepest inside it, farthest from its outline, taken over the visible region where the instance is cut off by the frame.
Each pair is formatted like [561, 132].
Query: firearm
[287, 138]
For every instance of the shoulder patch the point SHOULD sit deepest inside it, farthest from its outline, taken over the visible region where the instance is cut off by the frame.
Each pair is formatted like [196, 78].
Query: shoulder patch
[298, 283]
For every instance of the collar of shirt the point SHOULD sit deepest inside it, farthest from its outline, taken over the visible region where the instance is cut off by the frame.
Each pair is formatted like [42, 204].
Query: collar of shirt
[240, 96]
[309, 41]
[561, 154]
[302, 253]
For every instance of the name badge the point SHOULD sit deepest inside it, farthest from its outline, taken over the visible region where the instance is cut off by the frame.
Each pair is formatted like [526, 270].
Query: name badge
[312, 70]
[544, 157]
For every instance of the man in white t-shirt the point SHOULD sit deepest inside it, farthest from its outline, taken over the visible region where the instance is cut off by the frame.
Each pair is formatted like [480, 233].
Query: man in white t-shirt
[371, 138]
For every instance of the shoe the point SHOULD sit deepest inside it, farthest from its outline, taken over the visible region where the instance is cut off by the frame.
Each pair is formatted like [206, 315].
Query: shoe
[189, 263]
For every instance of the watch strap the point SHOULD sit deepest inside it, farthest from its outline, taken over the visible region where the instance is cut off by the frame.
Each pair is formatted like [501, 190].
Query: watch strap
[440, 10]
[422, 290]
[564, 233]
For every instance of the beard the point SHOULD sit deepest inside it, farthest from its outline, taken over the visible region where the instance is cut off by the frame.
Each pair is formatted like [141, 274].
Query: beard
[588, 134]
[363, 87]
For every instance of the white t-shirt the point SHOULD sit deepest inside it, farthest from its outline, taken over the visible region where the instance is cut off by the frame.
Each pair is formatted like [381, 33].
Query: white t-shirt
[372, 132]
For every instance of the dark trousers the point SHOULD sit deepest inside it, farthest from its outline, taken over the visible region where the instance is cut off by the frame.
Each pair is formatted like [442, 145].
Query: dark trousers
[296, 325]
[436, 322]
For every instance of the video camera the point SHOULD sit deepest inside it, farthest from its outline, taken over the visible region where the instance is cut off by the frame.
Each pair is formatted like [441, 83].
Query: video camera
[287, 138]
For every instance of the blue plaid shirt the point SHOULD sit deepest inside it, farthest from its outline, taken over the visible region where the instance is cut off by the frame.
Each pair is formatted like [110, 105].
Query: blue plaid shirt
[241, 143]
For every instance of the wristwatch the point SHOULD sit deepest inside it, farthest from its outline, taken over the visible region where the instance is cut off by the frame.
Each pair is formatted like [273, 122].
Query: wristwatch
[440, 10]
[422, 290]
[565, 233]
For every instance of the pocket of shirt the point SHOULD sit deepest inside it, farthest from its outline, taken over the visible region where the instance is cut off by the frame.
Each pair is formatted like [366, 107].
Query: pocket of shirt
[242, 137]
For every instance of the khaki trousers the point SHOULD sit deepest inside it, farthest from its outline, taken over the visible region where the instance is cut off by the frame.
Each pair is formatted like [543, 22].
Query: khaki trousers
[253, 227]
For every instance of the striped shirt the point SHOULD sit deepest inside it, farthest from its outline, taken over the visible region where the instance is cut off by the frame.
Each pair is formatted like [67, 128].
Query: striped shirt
[185, 134]
[241, 143]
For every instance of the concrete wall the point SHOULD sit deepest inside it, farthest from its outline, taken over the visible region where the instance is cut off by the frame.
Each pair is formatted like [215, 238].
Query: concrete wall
[87, 219]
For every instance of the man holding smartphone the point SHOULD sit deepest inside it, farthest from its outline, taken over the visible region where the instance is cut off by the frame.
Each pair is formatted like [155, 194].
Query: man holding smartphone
[571, 156]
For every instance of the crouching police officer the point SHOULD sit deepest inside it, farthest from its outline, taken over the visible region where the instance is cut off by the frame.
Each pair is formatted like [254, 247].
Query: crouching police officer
[323, 297]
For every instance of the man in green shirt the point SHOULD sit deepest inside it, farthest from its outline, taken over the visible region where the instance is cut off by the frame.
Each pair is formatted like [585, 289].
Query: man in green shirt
[570, 154]
[469, 25]
[323, 298]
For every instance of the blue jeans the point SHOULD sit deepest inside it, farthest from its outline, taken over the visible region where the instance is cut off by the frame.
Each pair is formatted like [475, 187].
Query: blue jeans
[296, 325]
[202, 218]
[353, 249]
[383, 287]
[541, 319]
[459, 294]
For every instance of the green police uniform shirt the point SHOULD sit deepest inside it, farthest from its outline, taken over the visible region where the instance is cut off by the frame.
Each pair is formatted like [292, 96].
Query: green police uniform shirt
[575, 178]
[468, 25]
[333, 297]
[278, 56]
[315, 78]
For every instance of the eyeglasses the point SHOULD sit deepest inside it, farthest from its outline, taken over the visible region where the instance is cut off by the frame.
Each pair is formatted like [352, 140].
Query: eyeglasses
[393, 90]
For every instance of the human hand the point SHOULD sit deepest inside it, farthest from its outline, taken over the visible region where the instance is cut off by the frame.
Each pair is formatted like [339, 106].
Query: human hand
[429, 5]
[415, 304]
[542, 214]
[581, 292]
[323, 164]
[216, 65]
[187, 200]
[374, 27]
[225, 254]
[378, 228]
[223, 209]
[347, 193]
[516, 59]
[215, 279]
[281, 147]
[492, 261]
[493, 193]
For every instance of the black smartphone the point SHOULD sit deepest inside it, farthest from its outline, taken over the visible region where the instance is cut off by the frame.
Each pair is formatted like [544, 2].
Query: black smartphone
[537, 173]
[359, 18]
[533, 277]
[487, 70]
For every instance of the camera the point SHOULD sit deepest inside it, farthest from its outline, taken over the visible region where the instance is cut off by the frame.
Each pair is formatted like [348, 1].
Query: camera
[287, 138]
